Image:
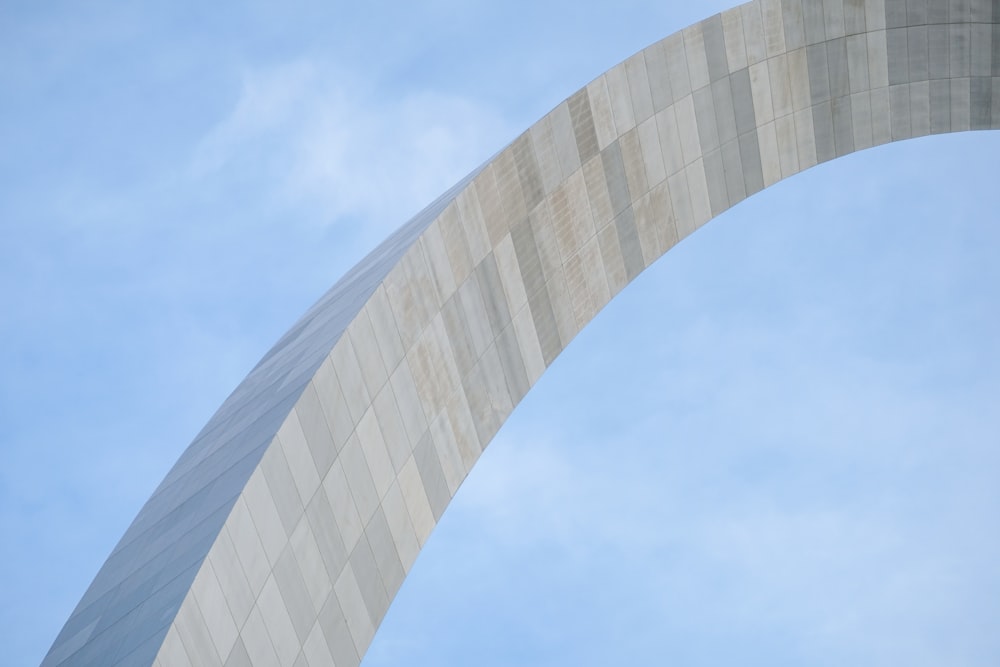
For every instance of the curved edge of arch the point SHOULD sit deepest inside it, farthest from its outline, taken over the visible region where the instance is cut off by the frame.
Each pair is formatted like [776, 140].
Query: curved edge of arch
[287, 527]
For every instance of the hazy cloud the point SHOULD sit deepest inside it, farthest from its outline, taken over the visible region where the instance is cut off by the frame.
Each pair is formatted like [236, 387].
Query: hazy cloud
[333, 141]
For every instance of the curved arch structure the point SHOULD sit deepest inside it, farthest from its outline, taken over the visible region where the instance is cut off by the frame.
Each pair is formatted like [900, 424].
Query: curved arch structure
[286, 528]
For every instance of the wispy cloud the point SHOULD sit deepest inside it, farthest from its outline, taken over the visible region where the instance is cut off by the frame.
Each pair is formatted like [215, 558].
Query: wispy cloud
[327, 138]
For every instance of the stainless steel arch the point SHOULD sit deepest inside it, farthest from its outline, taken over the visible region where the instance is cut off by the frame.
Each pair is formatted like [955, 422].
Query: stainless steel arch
[288, 525]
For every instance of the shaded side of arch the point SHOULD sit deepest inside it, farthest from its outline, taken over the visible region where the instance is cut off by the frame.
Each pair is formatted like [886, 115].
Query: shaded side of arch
[287, 527]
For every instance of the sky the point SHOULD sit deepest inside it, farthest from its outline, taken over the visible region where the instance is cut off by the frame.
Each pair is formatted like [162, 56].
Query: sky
[778, 446]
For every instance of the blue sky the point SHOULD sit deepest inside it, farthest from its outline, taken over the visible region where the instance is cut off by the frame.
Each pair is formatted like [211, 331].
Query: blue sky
[778, 446]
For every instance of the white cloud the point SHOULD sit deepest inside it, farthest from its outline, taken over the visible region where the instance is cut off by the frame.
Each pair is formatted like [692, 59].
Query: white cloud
[325, 139]
[269, 99]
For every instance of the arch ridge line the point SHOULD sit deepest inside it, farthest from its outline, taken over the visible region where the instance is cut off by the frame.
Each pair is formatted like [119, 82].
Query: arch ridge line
[286, 528]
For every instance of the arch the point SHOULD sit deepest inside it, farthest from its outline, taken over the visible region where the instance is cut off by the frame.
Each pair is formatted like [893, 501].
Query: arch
[291, 520]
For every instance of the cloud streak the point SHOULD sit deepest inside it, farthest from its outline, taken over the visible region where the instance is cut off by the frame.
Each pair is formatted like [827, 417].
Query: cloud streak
[331, 145]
